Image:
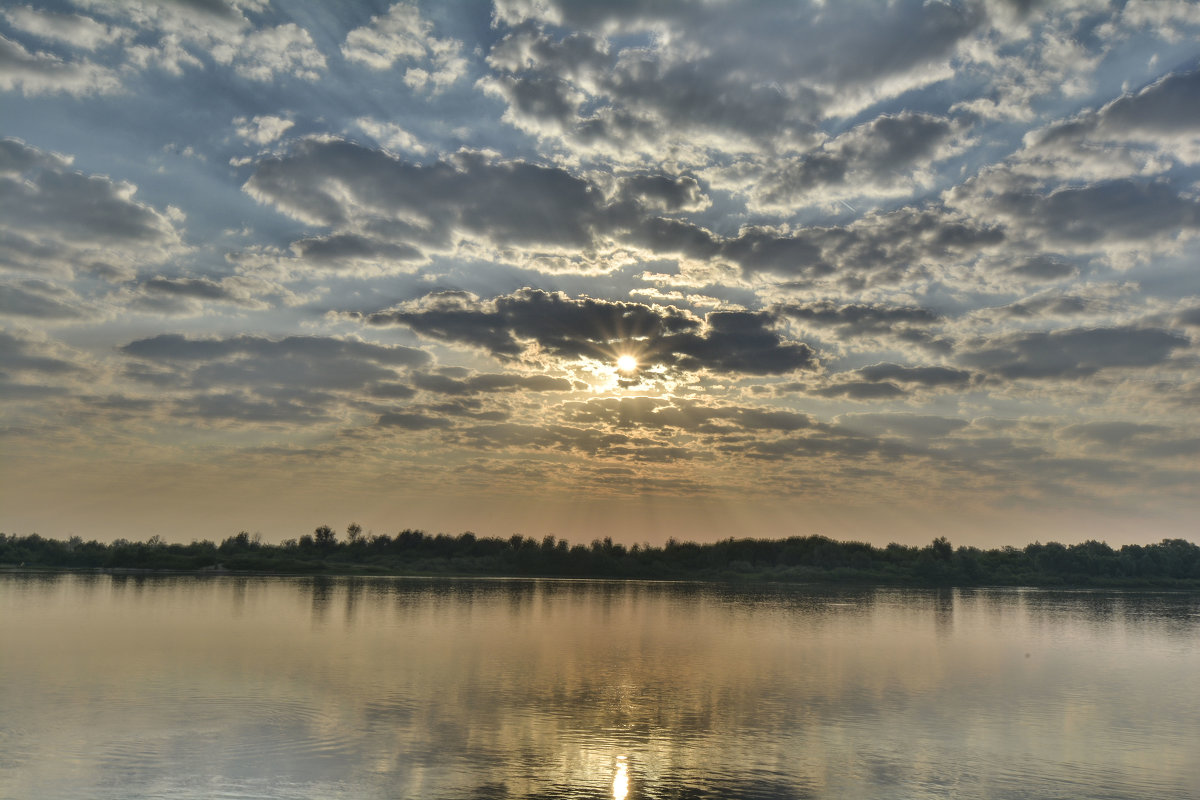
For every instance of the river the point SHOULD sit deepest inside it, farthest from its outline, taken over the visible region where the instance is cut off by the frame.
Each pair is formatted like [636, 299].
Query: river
[252, 687]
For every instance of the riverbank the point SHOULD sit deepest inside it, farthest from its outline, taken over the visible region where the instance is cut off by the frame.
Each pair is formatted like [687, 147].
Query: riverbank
[1171, 564]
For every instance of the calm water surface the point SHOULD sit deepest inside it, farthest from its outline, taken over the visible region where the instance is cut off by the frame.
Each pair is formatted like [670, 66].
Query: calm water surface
[221, 687]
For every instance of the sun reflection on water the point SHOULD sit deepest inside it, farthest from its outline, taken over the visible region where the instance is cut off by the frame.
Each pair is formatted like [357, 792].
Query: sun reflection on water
[621, 780]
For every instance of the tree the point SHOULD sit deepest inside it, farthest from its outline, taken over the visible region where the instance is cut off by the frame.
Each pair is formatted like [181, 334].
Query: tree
[942, 548]
[353, 532]
[324, 536]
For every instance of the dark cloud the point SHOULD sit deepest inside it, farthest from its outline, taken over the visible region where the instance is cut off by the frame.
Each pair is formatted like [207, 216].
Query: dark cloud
[413, 421]
[683, 416]
[1190, 317]
[21, 355]
[38, 299]
[843, 444]
[176, 347]
[1043, 268]
[201, 288]
[884, 247]
[331, 182]
[489, 382]
[915, 426]
[1120, 210]
[56, 219]
[258, 363]
[1073, 353]
[1048, 305]
[724, 341]
[922, 376]
[858, 318]
[862, 390]
[664, 193]
[512, 435]
[869, 159]
[383, 207]
[350, 248]
[1167, 106]
[1112, 433]
[240, 407]
[391, 391]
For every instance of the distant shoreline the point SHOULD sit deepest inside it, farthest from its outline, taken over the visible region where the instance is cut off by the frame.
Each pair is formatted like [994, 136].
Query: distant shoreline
[1173, 564]
[1182, 586]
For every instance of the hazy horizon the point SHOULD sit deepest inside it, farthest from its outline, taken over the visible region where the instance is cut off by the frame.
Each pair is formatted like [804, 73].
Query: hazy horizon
[876, 271]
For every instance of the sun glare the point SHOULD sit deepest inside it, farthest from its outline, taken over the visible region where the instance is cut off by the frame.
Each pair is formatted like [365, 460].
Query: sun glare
[627, 363]
[621, 780]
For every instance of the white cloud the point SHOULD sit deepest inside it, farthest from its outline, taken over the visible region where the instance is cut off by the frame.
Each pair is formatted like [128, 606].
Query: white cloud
[402, 35]
[390, 135]
[75, 30]
[263, 55]
[262, 129]
[45, 73]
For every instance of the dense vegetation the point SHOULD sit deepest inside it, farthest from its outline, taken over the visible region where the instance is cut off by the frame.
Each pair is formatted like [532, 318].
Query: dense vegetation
[1172, 562]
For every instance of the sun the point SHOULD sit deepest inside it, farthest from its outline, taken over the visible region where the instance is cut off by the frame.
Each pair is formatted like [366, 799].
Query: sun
[627, 363]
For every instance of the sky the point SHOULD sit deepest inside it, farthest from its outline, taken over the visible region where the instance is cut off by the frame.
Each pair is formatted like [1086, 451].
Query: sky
[886, 270]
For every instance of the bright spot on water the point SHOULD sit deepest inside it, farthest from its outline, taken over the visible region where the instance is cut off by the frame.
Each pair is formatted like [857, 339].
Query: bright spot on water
[621, 781]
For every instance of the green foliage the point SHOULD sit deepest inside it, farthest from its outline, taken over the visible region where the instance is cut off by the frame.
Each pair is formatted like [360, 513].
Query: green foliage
[1170, 563]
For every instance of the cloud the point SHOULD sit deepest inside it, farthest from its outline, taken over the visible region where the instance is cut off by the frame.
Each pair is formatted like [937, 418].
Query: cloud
[44, 73]
[353, 251]
[21, 355]
[1072, 353]
[890, 156]
[390, 135]
[262, 129]
[251, 380]
[1141, 133]
[911, 426]
[1089, 217]
[862, 390]
[83, 33]
[858, 318]
[547, 218]
[40, 300]
[412, 421]
[54, 219]
[881, 247]
[402, 35]
[1113, 433]
[368, 193]
[633, 81]
[1190, 317]
[931, 376]
[685, 416]
[313, 362]
[532, 323]
[262, 55]
[854, 321]
[1050, 305]
[665, 194]
[182, 295]
[168, 35]
[487, 383]
[1043, 267]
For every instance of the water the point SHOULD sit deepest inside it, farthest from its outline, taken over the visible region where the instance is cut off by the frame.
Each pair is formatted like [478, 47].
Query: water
[222, 687]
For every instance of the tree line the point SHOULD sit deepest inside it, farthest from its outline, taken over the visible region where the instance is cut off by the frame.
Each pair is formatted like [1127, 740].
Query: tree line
[1169, 563]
